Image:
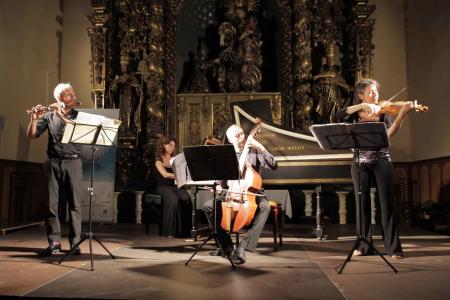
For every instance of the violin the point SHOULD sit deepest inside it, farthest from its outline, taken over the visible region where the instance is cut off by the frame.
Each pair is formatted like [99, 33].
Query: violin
[393, 108]
[239, 206]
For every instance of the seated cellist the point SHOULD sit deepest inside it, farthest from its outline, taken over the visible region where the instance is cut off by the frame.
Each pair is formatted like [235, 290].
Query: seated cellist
[257, 157]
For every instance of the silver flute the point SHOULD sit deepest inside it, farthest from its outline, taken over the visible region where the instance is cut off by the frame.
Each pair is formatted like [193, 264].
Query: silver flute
[51, 108]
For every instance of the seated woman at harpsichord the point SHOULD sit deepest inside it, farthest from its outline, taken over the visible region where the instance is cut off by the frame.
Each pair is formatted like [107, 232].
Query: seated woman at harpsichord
[176, 203]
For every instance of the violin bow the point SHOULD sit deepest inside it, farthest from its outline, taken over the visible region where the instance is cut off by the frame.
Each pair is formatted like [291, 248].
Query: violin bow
[393, 97]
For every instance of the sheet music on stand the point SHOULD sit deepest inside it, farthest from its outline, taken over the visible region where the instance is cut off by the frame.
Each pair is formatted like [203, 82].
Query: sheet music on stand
[90, 128]
[340, 136]
[182, 174]
[93, 130]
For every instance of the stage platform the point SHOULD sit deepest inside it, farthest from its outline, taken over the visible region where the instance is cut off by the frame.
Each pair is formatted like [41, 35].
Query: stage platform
[152, 267]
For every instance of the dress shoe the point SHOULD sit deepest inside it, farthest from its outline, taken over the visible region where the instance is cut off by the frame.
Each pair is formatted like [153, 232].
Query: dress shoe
[238, 256]
[76, 251]
[217, 252]
[52, 248]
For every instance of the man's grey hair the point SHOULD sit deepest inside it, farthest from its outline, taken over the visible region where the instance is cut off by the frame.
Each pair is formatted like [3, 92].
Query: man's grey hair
[230, 131]
[59, 89]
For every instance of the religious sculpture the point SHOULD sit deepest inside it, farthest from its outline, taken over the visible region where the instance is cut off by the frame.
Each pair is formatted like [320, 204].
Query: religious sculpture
[195, 71]
[330, 88]
[126, 90]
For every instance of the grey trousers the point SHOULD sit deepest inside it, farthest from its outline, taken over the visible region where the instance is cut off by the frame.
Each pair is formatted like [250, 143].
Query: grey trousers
[63, 179]
[250, 241]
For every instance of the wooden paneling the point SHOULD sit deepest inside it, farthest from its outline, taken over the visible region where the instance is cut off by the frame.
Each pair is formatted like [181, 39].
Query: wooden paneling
[22, 193]
[428, 180]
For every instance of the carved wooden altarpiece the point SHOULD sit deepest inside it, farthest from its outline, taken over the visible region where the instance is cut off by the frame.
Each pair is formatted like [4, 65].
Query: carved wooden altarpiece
[322, 48]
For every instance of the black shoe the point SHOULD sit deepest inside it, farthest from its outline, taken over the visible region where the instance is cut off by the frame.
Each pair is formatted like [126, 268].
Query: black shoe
[218, 252]
[52, 248]
[76, 251]
[238, 256]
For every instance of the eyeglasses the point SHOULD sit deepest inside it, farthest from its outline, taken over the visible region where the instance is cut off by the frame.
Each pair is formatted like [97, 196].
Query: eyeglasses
[238, 134]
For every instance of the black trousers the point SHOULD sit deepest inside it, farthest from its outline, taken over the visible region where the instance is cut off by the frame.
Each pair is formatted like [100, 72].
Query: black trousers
[63, 179]
[382, 172]
[250, 241]
[176, 211]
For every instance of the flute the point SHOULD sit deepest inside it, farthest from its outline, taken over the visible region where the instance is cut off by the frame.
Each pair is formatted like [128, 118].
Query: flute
[51, 108]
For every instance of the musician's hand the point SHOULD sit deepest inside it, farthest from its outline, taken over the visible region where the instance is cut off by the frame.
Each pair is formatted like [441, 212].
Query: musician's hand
[408, 107]
[252, 143]
[371, 108]
[56, 107]
[36, 112]
[366, 116]
[218, 189]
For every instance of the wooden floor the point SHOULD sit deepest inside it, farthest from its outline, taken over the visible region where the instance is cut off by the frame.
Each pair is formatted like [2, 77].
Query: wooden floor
[153, 267]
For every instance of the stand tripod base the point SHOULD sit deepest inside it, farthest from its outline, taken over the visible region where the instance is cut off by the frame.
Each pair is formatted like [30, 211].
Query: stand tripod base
[210, 236]
[371, 247]
[87, 236]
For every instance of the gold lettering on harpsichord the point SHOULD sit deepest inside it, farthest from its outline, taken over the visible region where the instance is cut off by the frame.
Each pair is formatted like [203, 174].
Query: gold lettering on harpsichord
[295, 148]
[276, 148]
[263, 135]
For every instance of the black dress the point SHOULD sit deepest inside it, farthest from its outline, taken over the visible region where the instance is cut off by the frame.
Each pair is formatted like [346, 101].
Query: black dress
[176, 206]
[375, 166]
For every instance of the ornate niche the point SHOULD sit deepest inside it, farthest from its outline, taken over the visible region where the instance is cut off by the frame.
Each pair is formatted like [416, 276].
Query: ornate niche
[317, 50]
[209, 115]
[326, 48]
[221, 46]
[128, 73]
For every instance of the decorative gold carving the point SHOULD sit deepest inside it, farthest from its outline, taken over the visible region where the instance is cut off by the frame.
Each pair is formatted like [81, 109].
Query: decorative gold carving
[363, 36]
[322, 54]
[287, 64]
[194, 122]
[208, 115]
[97, 36]
[157, 98]
[303, 104]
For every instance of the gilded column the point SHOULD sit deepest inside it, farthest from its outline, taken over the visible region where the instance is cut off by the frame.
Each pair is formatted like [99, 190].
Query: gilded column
[364, 46]
[303, 101]
[98, 37]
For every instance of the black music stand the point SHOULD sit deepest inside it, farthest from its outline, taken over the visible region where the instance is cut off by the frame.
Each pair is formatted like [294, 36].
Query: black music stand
[358, 136]
[183, 179]
[93, 135]
[212, 162]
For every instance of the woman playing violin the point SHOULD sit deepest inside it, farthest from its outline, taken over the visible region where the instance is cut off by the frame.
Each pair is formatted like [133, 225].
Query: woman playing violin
[257, 157]
[375, 165]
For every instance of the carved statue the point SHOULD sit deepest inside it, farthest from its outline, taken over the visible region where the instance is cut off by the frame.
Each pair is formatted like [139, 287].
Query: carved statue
[329, 89]
[126, 90]
[195, 78]
[250, 44]
[229, 61]
[238, 67]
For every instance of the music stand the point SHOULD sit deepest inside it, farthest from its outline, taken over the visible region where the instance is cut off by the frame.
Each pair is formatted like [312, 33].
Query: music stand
[212, 162]
[93, 135]
[358, 136]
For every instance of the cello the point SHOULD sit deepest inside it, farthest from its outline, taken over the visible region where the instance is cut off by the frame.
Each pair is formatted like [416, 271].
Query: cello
[239, 205]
